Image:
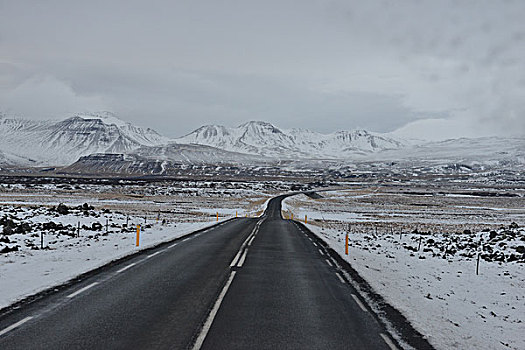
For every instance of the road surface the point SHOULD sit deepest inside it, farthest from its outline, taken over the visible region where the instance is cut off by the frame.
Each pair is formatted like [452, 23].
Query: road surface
[248, 283]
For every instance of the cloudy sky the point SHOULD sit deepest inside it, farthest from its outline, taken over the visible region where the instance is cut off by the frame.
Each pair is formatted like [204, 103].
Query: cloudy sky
[432, 69]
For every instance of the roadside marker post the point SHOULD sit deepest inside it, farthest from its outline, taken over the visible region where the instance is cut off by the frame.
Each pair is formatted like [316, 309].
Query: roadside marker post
[292, 216]
[138, 236]
[477, 264]
[346, 244]
[305, 219]
[78, 229]
[236, 213]
[480, 249]
[41, 240]
[217, 216]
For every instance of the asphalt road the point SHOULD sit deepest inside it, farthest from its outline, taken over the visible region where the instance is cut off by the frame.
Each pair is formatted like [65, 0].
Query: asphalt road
[246, 284]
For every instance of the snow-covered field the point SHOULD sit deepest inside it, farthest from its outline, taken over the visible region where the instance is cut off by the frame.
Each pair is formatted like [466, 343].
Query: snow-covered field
[434, 284]
[41, 245]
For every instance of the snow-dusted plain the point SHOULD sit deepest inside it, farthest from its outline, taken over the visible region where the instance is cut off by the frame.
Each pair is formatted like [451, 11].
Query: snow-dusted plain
[164, 213]
[433, 283]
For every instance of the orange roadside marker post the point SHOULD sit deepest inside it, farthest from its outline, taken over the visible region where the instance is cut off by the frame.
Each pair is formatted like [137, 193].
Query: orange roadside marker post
[138, 236]
[346, 244]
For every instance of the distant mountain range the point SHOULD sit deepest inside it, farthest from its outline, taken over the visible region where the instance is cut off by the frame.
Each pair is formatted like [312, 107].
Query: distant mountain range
[43, 143]
[58, 143]
[102, 141]
[267, 140]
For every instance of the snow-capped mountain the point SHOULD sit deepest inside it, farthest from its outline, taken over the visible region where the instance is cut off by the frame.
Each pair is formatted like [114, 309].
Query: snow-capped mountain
[263, 138]
[63, 142]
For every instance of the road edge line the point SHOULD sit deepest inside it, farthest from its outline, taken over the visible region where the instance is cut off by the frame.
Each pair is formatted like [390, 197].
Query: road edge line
[15, 325]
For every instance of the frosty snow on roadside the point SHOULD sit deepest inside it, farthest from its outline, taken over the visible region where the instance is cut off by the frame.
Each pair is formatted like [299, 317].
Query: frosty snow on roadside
[418, 250]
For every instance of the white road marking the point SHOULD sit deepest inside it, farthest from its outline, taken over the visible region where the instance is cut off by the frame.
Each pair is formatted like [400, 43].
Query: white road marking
[388, 342]
[127, 267]
[173, 245]
[359, 303]
[241, 262]
[340, 278]
[328, 262]
[152, 255]
[247, 241]
[320, 251]
[315, 244]
[234, 261]
[213, 313]
[14, 325]
[82, 290]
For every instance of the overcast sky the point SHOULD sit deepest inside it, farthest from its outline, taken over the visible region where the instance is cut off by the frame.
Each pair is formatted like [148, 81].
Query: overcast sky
[430, 69]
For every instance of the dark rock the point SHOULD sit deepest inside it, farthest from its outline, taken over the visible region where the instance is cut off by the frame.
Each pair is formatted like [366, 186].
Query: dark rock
[52, 226]
[9, 249]
[62, 209]
[8, 230]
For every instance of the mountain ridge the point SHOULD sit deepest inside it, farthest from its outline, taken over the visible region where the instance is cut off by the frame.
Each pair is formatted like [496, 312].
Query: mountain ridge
[62, 142]
[30, 143]
[263, 138]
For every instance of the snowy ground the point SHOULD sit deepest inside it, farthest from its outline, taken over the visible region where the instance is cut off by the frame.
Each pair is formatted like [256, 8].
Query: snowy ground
[435, 286]
[107, 223]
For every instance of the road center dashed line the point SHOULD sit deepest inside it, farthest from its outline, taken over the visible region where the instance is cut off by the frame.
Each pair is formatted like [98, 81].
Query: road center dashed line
[173, 245]
[14, 325]
[359, 303]
[213, 313]
[127, 267]
[388, 341]
[329, 263]
[82, 290]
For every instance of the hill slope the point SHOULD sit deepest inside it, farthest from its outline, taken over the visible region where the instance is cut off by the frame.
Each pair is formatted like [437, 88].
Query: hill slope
[63, 142]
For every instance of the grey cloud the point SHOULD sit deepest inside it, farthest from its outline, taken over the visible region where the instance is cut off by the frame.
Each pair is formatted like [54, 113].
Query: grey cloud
[323, 65]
